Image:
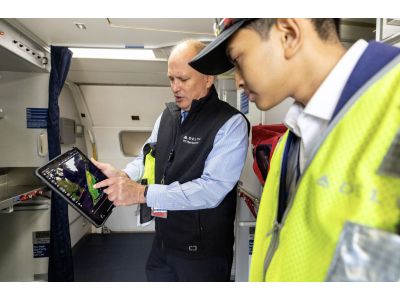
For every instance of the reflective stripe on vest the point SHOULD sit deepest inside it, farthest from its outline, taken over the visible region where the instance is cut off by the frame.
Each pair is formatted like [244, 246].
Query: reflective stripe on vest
[340, 183]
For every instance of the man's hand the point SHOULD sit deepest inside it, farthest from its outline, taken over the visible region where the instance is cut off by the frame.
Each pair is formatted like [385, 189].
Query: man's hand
[122, 191]
[108, 169]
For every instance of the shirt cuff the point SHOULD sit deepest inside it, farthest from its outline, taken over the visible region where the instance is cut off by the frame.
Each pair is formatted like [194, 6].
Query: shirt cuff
[132, 174]
[155, 193]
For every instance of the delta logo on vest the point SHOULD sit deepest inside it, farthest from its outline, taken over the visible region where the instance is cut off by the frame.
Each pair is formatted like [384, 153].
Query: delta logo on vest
[191, 140]
[348, 188]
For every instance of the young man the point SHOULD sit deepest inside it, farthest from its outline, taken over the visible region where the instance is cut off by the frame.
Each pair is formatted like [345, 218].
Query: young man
[201, 145]
[338, 160]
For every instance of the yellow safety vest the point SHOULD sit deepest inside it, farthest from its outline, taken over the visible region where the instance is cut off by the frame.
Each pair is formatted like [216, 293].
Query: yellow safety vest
[342, 182]
[149, 165]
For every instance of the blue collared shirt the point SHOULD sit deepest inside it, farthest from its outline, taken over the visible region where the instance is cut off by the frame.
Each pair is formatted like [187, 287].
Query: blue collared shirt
[222, 170]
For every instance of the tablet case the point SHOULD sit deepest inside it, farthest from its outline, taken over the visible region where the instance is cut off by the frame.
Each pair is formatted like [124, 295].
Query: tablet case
[72, 176]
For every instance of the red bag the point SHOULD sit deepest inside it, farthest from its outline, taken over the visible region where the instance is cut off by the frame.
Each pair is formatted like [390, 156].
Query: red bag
[264, 140]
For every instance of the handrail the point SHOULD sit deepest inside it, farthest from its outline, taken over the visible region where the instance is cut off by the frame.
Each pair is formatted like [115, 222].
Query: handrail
[241, 190]
[252, 201]
[392, 39]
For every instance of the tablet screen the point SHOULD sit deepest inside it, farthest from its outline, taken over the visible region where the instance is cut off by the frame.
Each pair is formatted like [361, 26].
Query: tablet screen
[73, 175]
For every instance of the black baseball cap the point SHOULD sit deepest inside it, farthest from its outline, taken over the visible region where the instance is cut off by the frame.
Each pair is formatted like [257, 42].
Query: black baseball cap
[212, 60]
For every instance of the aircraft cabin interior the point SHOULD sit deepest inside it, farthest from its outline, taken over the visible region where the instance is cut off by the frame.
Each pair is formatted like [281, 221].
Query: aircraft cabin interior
[115, 88]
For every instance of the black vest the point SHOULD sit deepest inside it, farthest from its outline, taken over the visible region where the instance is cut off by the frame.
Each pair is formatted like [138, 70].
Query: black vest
[182, 150]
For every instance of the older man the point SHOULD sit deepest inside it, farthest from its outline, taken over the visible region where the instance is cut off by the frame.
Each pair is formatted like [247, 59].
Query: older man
[201, 145]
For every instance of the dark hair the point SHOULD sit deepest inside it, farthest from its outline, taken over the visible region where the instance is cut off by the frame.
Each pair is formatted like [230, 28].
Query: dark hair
[326, 28]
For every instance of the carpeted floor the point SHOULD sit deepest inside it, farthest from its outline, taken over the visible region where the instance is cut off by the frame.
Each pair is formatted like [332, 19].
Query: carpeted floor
[112, 257]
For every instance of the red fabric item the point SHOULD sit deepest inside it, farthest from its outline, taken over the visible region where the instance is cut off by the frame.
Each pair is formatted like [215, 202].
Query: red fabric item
[264, 140]
[252, 204]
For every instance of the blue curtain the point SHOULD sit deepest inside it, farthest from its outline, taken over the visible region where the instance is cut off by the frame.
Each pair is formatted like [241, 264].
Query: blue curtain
[60, 254]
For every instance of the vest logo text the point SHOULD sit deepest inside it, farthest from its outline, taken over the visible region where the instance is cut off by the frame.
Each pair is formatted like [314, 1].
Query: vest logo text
[191, 140]
[349, 188]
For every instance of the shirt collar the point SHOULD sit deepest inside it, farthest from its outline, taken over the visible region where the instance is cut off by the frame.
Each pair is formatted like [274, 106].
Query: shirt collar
[322, 104]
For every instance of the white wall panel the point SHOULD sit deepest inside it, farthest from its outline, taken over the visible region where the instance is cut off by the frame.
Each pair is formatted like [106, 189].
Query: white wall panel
[108, 145]
[18, 91]
[16, 249]
[113, 106]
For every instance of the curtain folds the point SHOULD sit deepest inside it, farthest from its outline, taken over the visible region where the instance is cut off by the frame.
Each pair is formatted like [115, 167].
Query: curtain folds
[60, 254]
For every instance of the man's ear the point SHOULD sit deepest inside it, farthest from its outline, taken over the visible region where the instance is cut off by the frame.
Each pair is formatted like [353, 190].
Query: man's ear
[209, 80]
[291, 35]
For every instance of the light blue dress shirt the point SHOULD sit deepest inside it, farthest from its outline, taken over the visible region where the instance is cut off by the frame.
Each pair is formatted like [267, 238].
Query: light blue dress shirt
[222, 170]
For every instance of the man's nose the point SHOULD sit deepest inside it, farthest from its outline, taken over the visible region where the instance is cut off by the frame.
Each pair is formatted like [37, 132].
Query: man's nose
[175, 86]
[239, 80]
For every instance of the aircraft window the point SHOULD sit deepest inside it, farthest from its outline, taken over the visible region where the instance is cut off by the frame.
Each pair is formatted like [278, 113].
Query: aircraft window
[132, 141]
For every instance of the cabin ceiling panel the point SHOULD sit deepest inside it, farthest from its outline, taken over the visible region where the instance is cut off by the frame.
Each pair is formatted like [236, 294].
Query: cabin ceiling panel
[103, 32]
[134, 66]
[118, 78]
[132, 72]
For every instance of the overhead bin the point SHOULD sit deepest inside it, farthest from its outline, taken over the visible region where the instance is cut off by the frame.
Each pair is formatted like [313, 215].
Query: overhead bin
[19, 53]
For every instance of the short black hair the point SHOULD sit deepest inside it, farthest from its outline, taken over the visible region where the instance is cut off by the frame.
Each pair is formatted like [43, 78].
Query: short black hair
[326, 28]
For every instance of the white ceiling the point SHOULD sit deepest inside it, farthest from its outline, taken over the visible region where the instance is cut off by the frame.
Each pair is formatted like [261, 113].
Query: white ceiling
[158, 34]
[149, 33]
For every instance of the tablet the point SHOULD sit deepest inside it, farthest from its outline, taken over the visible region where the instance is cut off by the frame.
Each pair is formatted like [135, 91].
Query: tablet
[72, 176]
